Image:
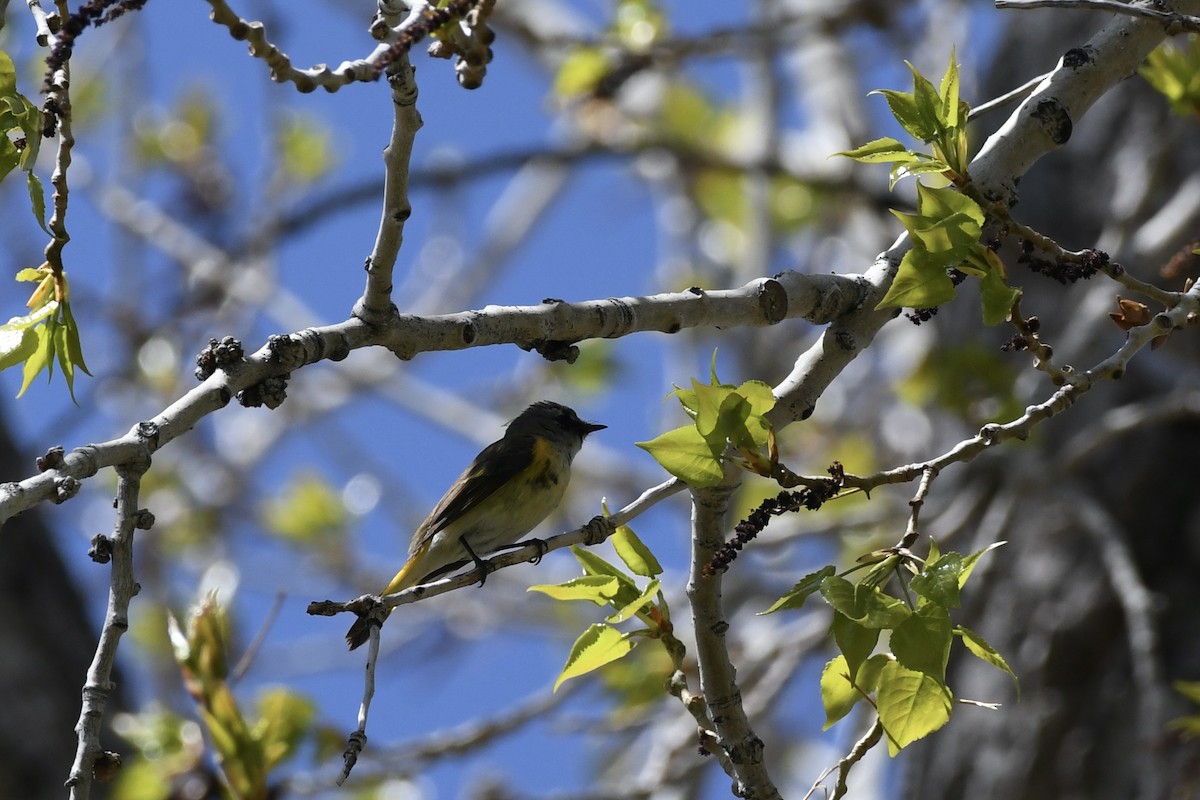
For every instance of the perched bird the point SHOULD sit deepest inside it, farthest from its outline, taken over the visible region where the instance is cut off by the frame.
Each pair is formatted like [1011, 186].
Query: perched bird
[510, 487]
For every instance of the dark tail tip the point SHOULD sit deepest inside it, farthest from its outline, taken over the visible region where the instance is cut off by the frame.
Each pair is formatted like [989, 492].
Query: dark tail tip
[359, 632]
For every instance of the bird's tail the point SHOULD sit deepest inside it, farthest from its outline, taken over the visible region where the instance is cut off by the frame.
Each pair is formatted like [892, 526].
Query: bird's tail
[408, 576]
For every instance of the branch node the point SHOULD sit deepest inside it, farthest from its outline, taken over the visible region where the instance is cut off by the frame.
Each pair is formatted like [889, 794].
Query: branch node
[52, 460]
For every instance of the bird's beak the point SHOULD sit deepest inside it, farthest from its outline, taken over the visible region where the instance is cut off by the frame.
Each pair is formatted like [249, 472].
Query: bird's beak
[592, 427]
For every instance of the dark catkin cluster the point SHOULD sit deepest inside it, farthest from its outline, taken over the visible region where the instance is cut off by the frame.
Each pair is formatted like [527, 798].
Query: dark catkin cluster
[1021, 341]
[217, 355]
[1065, 271]
[809, 497]
[94, 13]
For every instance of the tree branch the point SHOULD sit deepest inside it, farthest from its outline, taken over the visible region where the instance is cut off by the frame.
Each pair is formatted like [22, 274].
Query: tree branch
[122, 588]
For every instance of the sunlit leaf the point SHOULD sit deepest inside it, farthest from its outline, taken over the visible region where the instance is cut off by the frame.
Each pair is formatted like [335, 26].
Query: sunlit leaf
[685, 454]
[911, 705]
[838, 694]
[634, 552]
[600, 644]
[598, 589]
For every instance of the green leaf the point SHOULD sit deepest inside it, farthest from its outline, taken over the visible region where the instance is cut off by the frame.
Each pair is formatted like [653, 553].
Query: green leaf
[284, 719]
[599, 589]
[969, 562]
[928, 104]
[868, 674]
[911, 705]
[904, 108]
[864, 604]
[796, 596]
[632, 608]
[938, 582]
[61, 335]
[685, 454]
[838, 694]
[581, 72]
[1189, 689]
[37, 200]
[881, 151]
[8, 75]
[593, 564]
[997, 296]
[948, 94]
[16, 346]
[922, 642]
[74, 348]
[42, 357]
[600, 644]
[634, 552]
[854, 640]
[921, 166]
[941, 203]
[308, 511]
[30, 275]
[985, 652]
[920, 282]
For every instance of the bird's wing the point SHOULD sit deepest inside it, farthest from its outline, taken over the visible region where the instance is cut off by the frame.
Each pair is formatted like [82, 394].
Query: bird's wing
[490, 470]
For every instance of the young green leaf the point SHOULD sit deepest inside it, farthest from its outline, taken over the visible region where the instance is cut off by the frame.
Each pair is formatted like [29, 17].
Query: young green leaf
[922, 642]
[997, 296]
[599, 589]
[868, 674]
[838, 694]
[985, 652]
[911, 705]
[948, 94]
[799, 593]
[969, 562]
[16, 346]
[74, 349]
[634, 552]
[685, 454]
[854, 640]
[880, 151]
[920, 282]
[864, 604]
[904, 108]
[632, 608]
[600, 644]
[928, 104]
[42, 357]
[37, 199]
[593, 564]
[939, 582]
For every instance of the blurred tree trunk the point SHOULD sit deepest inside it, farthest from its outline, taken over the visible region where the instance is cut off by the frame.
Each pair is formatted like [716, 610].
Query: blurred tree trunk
[1094, 600]
[47, 646]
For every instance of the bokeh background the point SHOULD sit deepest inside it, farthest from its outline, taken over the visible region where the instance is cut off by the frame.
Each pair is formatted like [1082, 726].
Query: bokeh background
[208, 201]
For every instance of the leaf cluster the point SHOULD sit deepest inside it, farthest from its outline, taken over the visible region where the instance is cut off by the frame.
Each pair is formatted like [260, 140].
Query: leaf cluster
[906, 684]
[47, 334]
[246, 748]
[20, 136]
[606, 584]
[725, 419]
[1174, 70]
[945, 232]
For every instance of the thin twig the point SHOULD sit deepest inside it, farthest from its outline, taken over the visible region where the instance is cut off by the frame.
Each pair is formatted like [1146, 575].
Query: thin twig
[252, 650]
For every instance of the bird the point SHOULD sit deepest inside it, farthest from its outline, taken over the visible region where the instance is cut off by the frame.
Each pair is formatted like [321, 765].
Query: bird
[511, 486]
